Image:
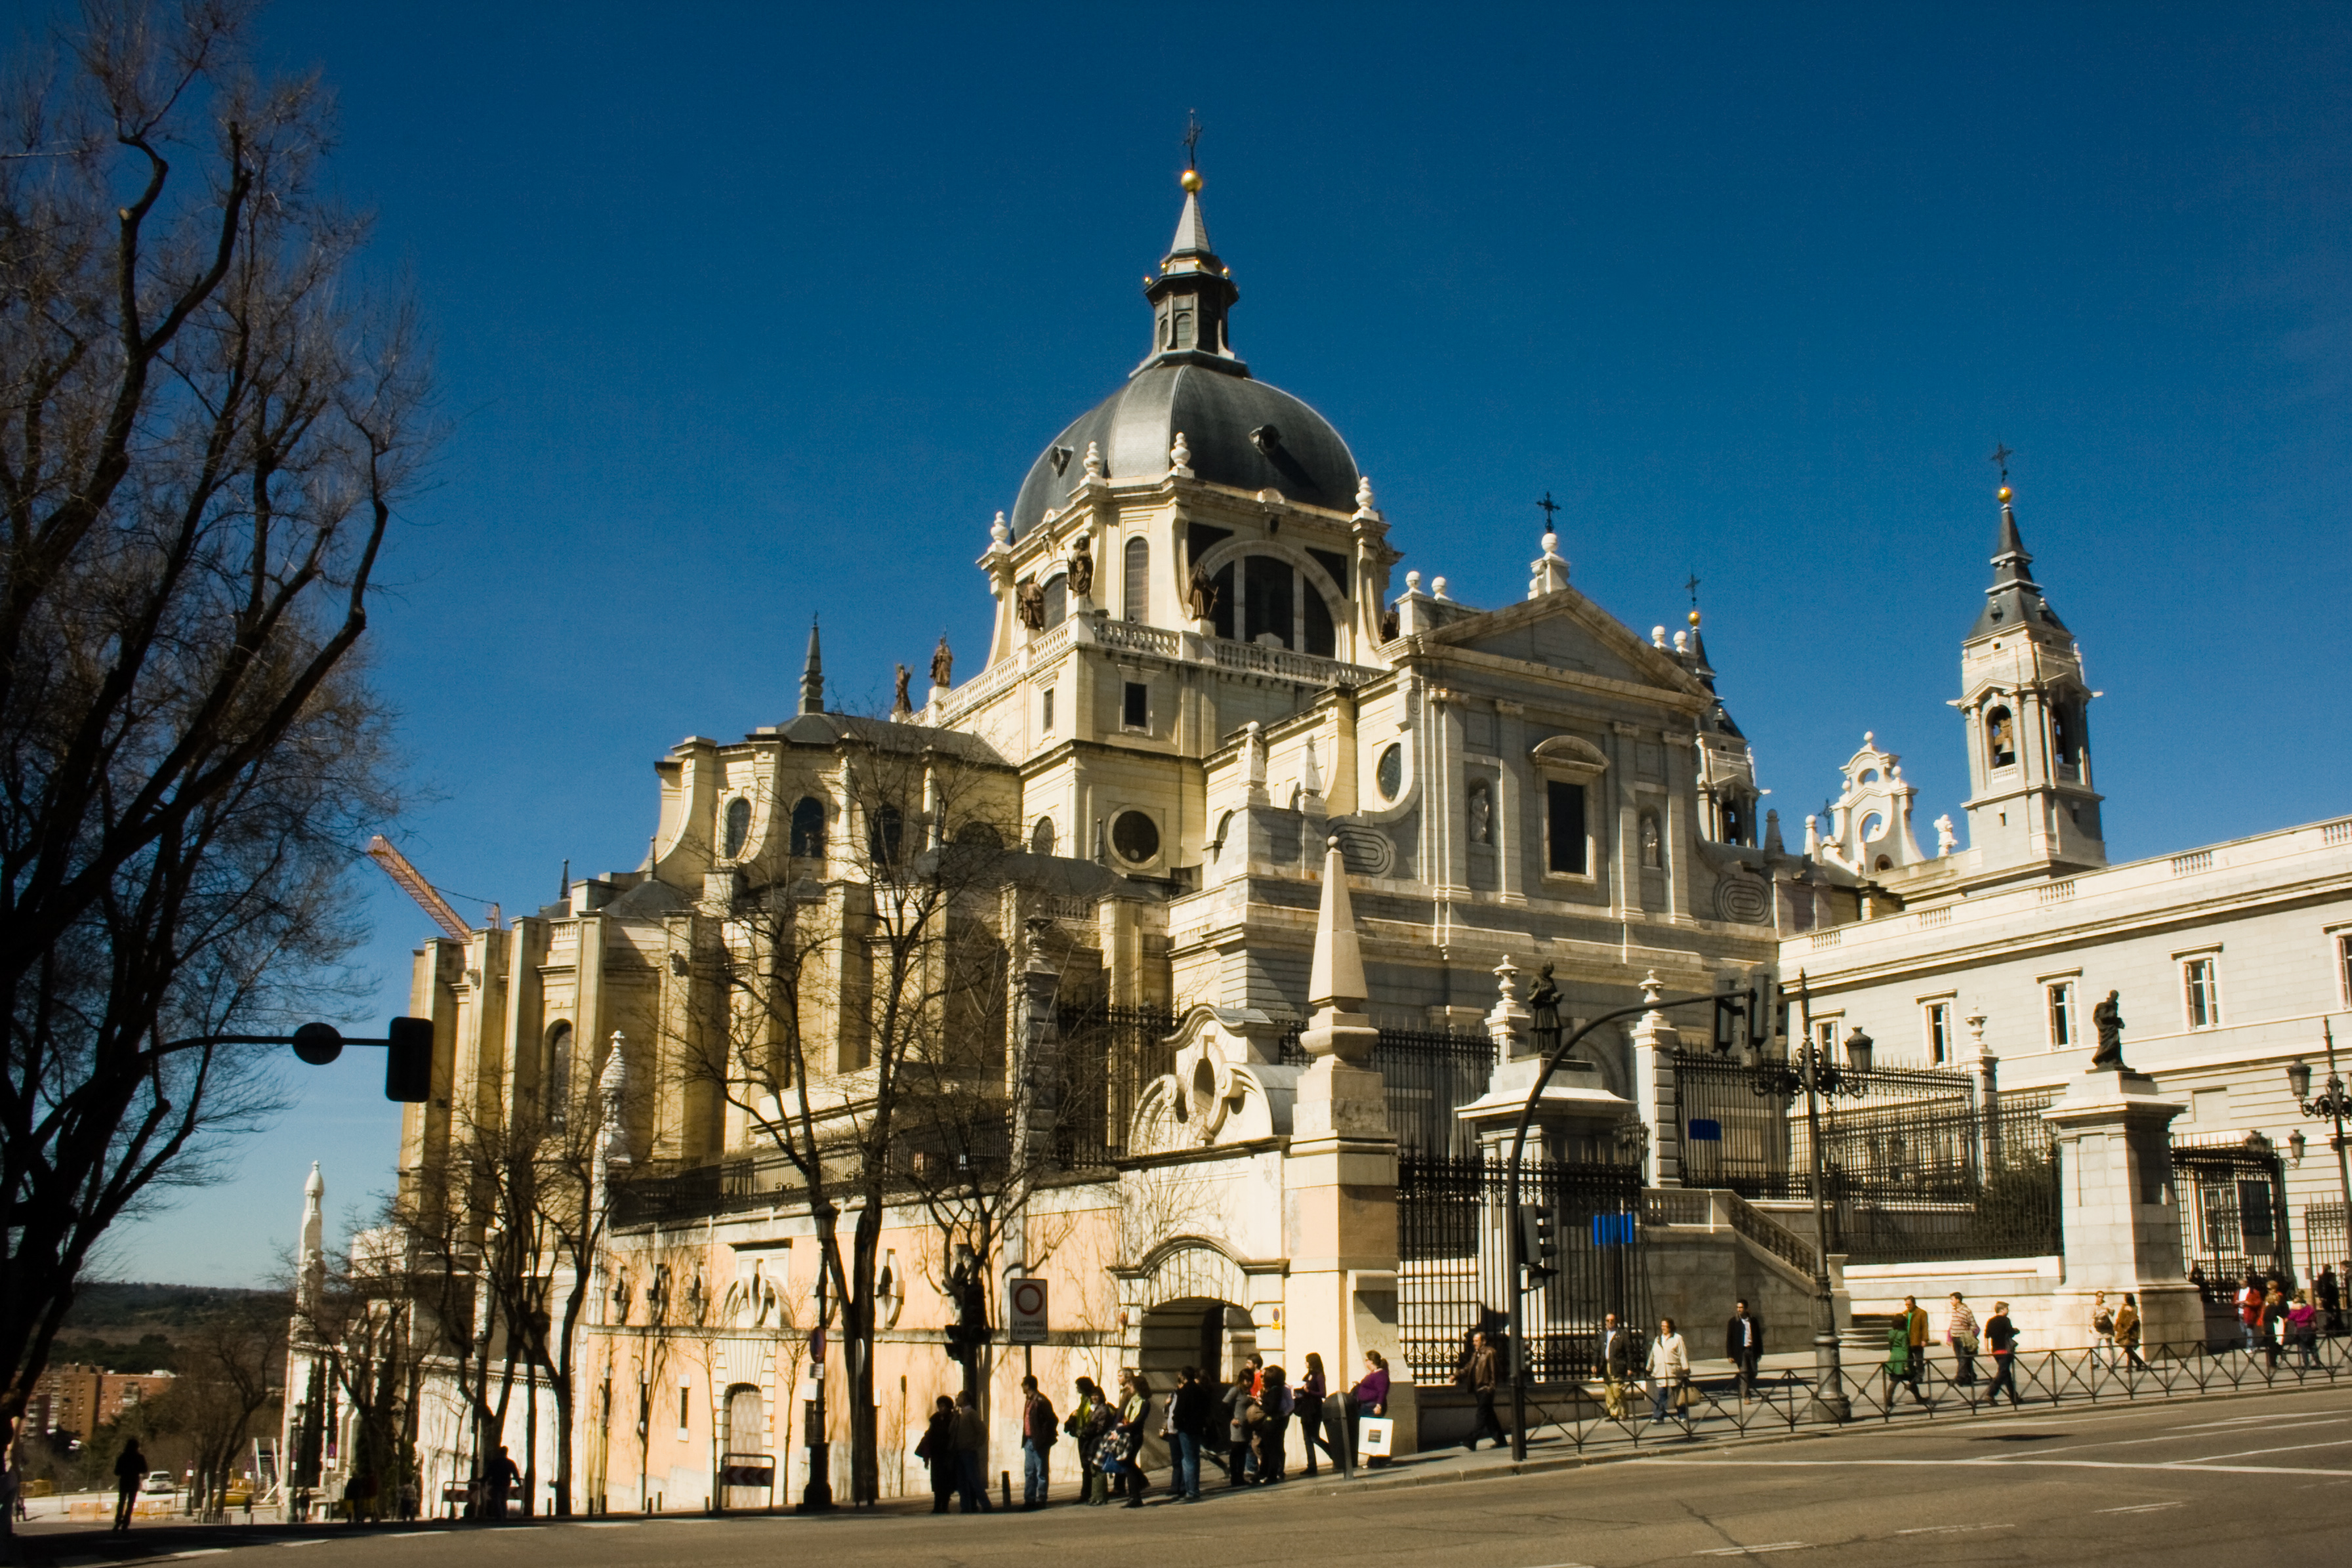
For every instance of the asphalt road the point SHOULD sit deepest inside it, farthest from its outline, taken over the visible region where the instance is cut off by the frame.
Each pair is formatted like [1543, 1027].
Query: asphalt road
[2264, 1480]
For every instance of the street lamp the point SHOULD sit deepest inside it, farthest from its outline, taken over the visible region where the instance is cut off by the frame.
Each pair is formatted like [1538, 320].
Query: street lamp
[2333, 1104]
[1820, 1080]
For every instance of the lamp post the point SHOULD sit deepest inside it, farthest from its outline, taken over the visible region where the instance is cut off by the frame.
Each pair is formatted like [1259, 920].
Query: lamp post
[1544, 1026]
[1820, 1080]
[2333, 1104]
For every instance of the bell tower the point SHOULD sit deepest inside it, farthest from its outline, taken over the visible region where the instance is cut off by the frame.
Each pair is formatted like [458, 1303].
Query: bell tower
[2032, 811]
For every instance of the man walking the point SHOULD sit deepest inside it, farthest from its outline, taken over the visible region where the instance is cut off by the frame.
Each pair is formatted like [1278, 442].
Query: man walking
[971, 1442]
[1038, 1431]
[1485, 1371]
[129, 1469]
[1190, 1412]
[2001, 1339]
[2328, 1292]
[1916, 1335]
[1743, 1343]
[1622, 1360]
[1960, 1331]
[498, 1480]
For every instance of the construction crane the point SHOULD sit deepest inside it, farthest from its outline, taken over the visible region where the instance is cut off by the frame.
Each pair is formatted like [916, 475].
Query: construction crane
[412, 881]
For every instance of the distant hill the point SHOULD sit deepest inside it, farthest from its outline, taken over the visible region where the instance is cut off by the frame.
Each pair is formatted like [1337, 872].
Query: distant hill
[136, 1319]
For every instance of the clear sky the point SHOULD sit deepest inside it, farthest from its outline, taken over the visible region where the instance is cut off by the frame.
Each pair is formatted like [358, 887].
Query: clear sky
[746, 314]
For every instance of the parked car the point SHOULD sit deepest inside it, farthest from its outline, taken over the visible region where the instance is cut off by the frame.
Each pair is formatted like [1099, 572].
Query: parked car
[158, 1481]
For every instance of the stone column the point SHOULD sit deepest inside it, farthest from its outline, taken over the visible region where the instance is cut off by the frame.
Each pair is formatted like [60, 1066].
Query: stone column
[2120, 1213]
[1657, 1043]
[1340, 1172]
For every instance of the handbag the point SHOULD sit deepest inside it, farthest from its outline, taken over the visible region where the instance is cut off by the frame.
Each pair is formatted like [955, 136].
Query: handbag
[1685, 1396]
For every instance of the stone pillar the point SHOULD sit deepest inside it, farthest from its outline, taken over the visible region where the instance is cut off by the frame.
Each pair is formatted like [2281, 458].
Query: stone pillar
[1657, 1043]
[2120, 1213]
[1988, 1071]
[1340, 1172]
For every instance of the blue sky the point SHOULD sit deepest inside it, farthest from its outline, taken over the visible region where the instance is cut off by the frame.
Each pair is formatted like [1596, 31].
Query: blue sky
[750, 312]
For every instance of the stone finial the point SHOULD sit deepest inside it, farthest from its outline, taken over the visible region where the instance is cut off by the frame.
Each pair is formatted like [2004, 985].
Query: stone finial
[1947, 841]
[1412, 581]
[1437, 588]
[1254, 756]
[1812, 836]
[613, 1084]
[1310, 775]
[1094, 461]
[1337, 980]
[1000, 531]
[1682, 642]
[1363, 494]
[1658, 637]
[1773, 845]
[1548, 573]
[1653, 990]
[1180, 458]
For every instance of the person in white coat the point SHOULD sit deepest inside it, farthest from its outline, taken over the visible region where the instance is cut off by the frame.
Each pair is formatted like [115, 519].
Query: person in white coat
[1669, 1367]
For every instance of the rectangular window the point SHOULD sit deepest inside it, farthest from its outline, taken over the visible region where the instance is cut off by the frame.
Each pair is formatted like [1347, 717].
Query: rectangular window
[2062, 1014]
[1940, 1032]
[1137, 714]
[684, 1394]
[1565, 828]
[2343, 966]
[1825, 1039]
[2202, 993]
[1049, 710]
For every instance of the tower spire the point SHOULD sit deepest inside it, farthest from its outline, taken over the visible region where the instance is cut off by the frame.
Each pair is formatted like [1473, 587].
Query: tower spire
[1194, 291]
[2014, 603]
[813, 677]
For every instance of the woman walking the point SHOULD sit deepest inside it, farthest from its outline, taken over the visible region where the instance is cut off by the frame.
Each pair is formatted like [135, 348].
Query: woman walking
[938, 1450]
[1133, 1413]
[1086, 1423]
[2303, 1330]
[1274, 1398]
[1669, 1368]
[1310, 1394]
[2127, 1331]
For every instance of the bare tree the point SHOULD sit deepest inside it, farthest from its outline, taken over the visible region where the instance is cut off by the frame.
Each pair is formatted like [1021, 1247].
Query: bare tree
[204, 435]
[363, 1324]
[231, 1377]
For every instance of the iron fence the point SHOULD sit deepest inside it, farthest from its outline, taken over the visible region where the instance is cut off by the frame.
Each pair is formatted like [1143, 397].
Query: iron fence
[1108, 1056]
[739, 1186]
[2234, 1212]
[1427, 1075]
[2324, 1241]
[1452, 1276]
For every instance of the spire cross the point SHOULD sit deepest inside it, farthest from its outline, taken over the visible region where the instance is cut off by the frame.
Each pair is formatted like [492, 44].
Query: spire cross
[1549, 506]
[1192, 135]
[2001, 456]
[1693, 586]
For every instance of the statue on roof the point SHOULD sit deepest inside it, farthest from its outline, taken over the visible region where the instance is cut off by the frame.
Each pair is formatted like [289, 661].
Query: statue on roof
[902, 705]
[1201, 594]
[942, 664]
[1082, 566]
[1029, 604]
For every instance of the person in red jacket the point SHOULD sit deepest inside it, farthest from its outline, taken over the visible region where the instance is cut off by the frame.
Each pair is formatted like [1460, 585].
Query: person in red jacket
[1038, 1431]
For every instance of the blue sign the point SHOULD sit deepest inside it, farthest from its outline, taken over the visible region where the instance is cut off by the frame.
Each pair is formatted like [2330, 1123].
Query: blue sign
[1612, 1230]
[1703, 1131]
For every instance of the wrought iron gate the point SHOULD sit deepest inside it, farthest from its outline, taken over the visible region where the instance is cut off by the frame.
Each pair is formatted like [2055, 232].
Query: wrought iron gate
[2233, 1208]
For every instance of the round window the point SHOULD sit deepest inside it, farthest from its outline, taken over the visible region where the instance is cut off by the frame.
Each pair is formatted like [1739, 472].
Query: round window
[1390, 773]
[739, 825]
[1136, 837]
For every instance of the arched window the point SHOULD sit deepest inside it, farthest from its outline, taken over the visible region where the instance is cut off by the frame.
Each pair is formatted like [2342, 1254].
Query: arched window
[1135, 593]
[1041, 837]
[2001, 739]
[556, 1081]
[1735, 821]
[739, 825]
[885, 832]
[808, 827]
[2065, 734]
[979, 835]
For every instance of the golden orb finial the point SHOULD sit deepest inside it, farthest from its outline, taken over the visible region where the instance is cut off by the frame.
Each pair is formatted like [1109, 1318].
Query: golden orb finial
[1190, 179]
[2004, 495]
[1693, 617]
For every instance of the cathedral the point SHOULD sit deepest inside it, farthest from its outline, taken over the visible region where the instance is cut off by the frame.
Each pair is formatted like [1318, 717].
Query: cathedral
[1194, 925]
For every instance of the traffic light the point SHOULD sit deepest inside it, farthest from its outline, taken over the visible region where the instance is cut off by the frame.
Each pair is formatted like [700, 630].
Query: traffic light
[408, 1060]
[1538, 1243]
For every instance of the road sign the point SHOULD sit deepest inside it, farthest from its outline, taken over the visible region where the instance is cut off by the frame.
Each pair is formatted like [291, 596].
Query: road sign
[1024, 1315]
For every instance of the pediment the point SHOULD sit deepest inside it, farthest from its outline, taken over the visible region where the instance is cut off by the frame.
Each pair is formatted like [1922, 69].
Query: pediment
[1565, 630]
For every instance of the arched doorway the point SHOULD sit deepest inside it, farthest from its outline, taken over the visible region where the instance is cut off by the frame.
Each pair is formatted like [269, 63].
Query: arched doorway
[743, 1444]
[1215, 1336]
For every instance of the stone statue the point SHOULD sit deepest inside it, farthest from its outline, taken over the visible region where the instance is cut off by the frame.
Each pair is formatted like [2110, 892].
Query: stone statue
[1946, 839]
[942, 664]
[1201, 594]
[1650, 852]
[900, 702]
[1029, 604]
[1389, 626]
[1543, 1008]
[1480, 813]
[2108, 1019]
[1082, 567]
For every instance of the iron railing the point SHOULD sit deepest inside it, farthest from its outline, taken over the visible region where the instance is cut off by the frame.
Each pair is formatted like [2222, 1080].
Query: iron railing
[1109, 1056]
[1427, 1075]
[1451, 1277]
[2234, 1212]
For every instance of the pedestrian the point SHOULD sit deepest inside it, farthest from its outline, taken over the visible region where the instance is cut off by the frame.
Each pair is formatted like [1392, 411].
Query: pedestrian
[2250, 1311]
[2303, 1330]
[2128, 1330]
[1961, 1332]
[1310, 1394]
[1669, 1370]
[971, 1447]
[937, 1449]
[1916, 1335]
[2273, 1324]
[1274, 1399]
[1191, 1412]
[2000, 1338]
[1039, 1428]
[1134, 1412]
[500, 1477]
[2327, 1292]
[2103, 1331]
[1368, 1397]
[1621, 1362]
[129, 1469]
[2197, 1277]
[1743, 1345]
[1239, 1407]
[1482, 1370]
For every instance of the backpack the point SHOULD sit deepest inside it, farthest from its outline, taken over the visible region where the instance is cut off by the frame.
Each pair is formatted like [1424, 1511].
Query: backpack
[2104, 1324]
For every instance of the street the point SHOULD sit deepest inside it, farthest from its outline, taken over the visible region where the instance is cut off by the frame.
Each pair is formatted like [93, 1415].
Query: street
[2215, 1482]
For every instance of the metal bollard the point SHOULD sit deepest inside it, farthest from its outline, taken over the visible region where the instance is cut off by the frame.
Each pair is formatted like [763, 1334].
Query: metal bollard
[1005, 1488]
[1335, 1420]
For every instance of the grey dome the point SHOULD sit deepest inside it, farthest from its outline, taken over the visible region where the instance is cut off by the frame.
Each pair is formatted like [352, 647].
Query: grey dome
[1216, 406]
